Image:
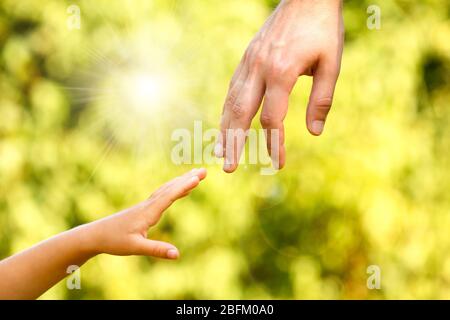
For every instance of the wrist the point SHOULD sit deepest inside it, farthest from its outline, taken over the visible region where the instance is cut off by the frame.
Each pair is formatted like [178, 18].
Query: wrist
[85, 236]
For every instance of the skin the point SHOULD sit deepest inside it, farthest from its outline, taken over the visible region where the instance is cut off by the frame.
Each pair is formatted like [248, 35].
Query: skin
[301, 37]
[30, 273]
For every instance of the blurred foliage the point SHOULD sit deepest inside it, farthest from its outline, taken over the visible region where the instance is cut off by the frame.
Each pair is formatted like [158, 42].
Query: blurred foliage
[372, 190]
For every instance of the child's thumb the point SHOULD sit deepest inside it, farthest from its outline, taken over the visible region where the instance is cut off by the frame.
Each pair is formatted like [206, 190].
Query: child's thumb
[158, 249]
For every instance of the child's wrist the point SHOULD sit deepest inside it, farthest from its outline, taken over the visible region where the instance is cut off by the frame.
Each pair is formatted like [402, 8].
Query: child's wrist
[86, 235]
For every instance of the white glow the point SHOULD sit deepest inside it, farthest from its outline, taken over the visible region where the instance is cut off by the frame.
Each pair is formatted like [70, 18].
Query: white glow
[146, 88]
[145, 93]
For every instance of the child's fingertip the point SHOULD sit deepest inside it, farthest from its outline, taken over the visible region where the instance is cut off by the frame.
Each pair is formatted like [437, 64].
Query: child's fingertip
[191, 173]
[194, 180]
[201, 173]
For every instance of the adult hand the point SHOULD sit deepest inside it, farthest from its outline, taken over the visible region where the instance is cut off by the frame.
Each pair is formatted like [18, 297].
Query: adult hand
[301, 37]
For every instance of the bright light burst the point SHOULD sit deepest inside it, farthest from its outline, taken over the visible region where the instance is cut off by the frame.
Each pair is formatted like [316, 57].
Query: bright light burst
[146, 92]
[143, 94]
[138, 89]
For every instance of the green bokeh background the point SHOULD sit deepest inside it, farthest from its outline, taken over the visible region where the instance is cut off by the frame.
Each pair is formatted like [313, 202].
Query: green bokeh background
[373, 190]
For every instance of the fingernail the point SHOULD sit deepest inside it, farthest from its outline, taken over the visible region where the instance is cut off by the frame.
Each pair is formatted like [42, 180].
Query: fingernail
[172, 254]
[195, 179]
[317, 126]
[276, 163]
[218, 150]
[226, 166]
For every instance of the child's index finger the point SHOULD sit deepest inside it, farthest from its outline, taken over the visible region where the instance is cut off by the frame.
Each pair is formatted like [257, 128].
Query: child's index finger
[189, 182]
[176, 189]
[201, 173]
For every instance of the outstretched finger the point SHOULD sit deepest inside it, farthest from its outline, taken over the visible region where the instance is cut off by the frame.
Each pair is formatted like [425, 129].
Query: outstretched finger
[159, 249]
[321, 97]
[172, 191]
[273, 113]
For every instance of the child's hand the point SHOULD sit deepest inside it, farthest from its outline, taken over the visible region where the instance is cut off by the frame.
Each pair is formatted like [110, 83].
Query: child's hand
[125, 233]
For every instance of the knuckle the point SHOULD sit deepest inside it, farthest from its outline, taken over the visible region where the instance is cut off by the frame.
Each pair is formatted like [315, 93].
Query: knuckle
[324, 103]
[156, 250]
[238, 111]
[247, 53]
[278, 69]
[252, 48]
[236, 108]
[257, 60]
[323, 106]
[153, 220]
[266, 119]
[231, 99]
[160, 251]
